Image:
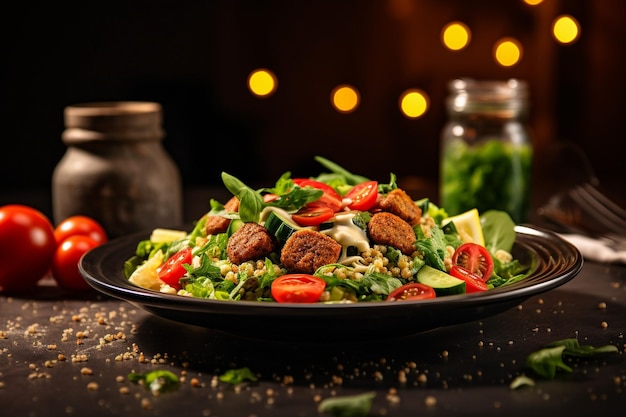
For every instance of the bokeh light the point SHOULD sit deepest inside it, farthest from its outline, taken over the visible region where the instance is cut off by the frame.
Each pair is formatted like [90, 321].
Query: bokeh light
[533, 2]
[507, 52]
[262, 82]
[455, 36]
[345, 98]
[565, 29]
[414, 103]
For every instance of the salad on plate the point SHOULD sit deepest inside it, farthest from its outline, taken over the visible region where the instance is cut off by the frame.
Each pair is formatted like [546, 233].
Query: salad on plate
[335, 238]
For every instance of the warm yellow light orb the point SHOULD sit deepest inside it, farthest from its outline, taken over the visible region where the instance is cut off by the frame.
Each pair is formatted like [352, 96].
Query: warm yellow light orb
[414, 103]
[533, 2]
[565, 29]
[262, 82]
[345, 98]
[455, 36]
[507, 52]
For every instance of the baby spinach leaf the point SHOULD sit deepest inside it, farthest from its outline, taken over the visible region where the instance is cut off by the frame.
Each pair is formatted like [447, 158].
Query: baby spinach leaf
[250, 201]
[498, 229]
[545, 362]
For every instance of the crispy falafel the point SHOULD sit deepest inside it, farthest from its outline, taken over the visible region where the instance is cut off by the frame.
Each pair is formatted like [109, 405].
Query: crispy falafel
[306, 250]
[388, 229]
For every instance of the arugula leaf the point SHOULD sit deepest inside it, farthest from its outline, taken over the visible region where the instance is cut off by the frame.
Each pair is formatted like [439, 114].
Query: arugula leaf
[387, 188]
[371, 286]
[237, 376]
[206, 269]
[350, 178]
[200, 287]
[433, 248]
[348, 406]
[296, 198]
[215, 247]
[144, 251]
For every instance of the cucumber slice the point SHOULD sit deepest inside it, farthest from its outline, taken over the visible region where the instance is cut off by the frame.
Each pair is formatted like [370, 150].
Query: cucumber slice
[441, 282]
[278, 225]
[234, 225]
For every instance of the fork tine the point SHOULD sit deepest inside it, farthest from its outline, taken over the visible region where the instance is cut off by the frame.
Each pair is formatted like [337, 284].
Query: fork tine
[608, 203]
[596, 207]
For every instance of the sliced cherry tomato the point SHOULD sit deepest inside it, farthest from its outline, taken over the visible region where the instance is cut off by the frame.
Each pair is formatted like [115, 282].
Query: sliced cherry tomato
[412, 291]
[173, 270]
[312, 215]
[363, 196]
[27, 246]
[268, 198]
[330, 198]
[297, 288]
[473, 283]
[475, 258]
[65, 262]
[79, 225]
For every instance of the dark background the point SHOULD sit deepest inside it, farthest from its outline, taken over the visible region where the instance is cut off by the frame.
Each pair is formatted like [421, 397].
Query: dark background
[194, 57]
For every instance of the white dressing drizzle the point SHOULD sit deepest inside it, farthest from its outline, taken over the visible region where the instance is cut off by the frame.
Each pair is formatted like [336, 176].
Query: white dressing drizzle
[348, 234]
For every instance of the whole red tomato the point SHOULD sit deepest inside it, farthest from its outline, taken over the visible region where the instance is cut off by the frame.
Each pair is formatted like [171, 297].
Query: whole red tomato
[80, 225]
[27, 246]
[65, 262]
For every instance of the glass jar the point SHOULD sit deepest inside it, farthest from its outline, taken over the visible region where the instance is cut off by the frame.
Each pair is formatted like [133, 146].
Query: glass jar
[486, 149]
[115, 168]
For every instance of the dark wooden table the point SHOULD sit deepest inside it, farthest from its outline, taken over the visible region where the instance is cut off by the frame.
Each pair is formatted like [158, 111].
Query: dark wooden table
[64, 355]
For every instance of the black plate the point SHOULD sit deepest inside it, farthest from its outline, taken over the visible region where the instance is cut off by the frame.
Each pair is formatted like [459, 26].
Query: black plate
[554, 262]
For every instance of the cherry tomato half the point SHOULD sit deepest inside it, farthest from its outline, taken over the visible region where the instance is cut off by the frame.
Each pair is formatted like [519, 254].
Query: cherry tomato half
[269, 197]
[65, 262]
[173, 270]
[363, 196]
[330, 198]
[412, 291]
[473, 283]
[475, 258]
[312, 215]
[79, 225]
[297, 288]
[27, 246]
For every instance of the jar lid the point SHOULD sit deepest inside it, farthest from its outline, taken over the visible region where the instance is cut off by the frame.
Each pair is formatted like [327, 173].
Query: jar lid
[481, 96]
[113, 120]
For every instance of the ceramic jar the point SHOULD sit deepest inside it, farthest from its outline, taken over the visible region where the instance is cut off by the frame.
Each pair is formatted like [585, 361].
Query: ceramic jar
[116, 169]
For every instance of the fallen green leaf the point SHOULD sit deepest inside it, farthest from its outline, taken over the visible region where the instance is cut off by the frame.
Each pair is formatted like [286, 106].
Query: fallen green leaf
[348, 406]
[237, 376]
[157, 381]
[547, 361]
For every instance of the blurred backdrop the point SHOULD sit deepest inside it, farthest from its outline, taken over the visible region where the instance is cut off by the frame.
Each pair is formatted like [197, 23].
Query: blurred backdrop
[195, 57]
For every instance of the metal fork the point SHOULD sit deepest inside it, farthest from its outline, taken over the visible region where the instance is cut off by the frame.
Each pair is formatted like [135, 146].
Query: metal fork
[584, 209]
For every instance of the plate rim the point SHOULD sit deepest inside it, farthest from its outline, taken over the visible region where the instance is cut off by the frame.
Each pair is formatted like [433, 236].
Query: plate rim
[134, 294]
